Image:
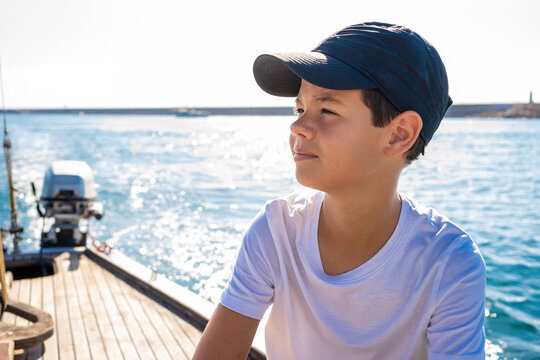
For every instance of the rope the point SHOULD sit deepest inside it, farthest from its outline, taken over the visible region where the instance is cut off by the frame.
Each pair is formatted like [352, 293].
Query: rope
[42, 241]
[101, 246]
[3, 275]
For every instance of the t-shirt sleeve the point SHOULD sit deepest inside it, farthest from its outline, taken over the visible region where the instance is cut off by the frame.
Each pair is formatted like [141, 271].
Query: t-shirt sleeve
[456, 329]
[251, 288]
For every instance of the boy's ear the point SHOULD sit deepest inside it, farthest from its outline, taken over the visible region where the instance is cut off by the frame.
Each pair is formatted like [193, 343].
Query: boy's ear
[405, 129]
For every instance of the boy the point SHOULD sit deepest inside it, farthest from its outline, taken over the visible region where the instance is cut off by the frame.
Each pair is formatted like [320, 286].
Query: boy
[355, 270]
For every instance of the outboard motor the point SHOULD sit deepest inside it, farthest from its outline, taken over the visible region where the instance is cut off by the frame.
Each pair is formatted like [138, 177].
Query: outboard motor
[68, 195]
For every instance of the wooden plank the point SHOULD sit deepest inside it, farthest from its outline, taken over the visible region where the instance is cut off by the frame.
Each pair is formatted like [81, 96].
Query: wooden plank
[91, 326]
[24, 297]
[13, 294]
[51, 344]
[108, 335]
[63, 324]
[193, 334]
[13, 291]
[36, 300]
[78, 334]
[147, 326]
[167, 335]
[153, 333]
[136, 332]
[78, 329]
[170, 319]
[120, 329]
[8, 318]
[36, 296]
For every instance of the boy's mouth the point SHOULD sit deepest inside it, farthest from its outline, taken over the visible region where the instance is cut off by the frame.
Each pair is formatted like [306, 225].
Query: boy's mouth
[301, 154]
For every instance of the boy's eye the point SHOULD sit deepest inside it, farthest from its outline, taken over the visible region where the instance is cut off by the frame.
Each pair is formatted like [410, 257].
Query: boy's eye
[298, 111]
[326, 111]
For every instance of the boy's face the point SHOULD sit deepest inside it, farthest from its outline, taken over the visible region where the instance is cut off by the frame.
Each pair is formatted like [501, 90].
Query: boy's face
[334, 143]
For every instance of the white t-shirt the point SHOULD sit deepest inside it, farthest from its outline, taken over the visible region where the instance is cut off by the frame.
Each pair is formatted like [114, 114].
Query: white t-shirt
[421, 296]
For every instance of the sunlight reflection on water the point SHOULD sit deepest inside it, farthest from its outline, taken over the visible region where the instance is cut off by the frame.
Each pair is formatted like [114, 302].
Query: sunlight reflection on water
[179, 192]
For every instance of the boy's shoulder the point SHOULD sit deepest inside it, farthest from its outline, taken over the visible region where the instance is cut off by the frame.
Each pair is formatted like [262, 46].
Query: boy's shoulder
[429, 220]
[439, 236]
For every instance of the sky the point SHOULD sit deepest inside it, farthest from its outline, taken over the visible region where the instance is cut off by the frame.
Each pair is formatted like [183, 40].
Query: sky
[162, 53]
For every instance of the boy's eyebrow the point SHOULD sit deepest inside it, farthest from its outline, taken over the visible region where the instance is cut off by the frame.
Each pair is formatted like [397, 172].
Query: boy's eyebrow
[323, 98]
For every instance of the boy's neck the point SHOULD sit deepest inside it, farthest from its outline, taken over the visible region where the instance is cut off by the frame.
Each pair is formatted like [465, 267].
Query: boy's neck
[354, 227]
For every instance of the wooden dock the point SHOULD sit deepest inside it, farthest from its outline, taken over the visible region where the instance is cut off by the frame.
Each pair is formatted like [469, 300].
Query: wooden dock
[102, 313]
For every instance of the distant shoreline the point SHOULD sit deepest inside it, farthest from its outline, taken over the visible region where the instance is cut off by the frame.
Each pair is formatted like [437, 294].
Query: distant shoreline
[458, 110]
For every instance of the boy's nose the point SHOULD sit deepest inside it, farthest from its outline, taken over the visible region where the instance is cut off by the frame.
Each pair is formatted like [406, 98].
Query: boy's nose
[301, 129]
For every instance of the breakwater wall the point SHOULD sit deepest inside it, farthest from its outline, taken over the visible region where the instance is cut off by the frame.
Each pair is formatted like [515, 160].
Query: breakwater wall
[458, 110]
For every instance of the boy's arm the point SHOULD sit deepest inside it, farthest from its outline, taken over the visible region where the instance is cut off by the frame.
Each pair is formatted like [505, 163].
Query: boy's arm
[228, 335]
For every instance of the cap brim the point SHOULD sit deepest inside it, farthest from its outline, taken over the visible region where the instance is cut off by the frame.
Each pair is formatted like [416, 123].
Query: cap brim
[281, 74]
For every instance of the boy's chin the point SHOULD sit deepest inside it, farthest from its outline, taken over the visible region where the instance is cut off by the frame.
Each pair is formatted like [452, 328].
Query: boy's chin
[309, 182]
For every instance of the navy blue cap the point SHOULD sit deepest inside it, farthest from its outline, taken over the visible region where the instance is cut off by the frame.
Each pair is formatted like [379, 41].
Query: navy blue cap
[392, 58]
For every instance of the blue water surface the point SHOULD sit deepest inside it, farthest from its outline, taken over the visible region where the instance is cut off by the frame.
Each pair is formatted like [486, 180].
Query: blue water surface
[179, 192]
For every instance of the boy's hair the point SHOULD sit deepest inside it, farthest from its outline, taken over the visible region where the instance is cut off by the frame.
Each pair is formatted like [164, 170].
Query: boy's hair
[383, 112]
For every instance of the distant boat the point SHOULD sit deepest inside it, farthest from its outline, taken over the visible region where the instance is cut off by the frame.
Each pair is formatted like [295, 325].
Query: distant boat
[190, 113]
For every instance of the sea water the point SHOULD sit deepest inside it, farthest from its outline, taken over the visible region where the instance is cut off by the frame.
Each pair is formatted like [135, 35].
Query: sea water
[179, 192]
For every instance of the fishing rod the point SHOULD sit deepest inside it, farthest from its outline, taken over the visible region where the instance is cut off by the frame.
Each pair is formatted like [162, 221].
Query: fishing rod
[15, 229]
